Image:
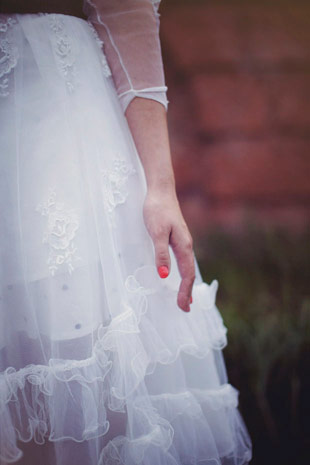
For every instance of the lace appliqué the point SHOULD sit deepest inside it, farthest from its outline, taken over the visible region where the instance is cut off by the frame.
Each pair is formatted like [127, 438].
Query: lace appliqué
[8, 54]
[62, 224]
[114, 183]
[104, 63]
[64, 48]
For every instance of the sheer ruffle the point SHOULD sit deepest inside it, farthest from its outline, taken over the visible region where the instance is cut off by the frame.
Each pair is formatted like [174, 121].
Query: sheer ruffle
[178, 427]
[117, 374]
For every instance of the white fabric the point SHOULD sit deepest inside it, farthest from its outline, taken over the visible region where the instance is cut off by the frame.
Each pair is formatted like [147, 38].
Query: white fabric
[129, 30]
[98, 365]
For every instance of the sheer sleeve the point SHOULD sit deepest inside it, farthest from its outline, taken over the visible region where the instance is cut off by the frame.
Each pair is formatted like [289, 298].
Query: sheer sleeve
[129, 30]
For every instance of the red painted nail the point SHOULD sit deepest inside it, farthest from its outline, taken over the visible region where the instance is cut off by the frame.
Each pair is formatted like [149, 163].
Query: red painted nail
[163, 271]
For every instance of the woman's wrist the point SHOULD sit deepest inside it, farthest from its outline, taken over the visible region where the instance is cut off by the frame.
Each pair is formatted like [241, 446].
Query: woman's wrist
[164, 183]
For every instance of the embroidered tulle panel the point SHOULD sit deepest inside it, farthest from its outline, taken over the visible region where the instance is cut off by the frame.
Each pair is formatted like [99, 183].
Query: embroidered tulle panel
[8, 54]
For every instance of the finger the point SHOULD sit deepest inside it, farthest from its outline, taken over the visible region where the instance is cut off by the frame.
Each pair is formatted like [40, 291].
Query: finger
[184, 294]
[182, 245]
[162, 256]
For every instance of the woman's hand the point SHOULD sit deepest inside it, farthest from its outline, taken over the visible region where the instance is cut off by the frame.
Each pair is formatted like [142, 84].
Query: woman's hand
[165, 223]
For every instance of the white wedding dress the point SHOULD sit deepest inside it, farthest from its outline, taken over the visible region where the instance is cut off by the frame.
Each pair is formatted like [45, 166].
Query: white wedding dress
[98, 364]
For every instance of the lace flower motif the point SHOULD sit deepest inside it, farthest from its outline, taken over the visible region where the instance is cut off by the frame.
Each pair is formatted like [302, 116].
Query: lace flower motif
[114, 183]
[8, 53]
[64, 50]
[62, 224]
[99, 42]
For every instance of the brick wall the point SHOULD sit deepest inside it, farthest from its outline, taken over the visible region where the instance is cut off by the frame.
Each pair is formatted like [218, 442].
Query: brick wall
[238, 75]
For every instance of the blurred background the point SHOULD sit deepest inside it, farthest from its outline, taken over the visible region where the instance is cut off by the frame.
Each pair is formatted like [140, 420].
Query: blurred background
[238, 77]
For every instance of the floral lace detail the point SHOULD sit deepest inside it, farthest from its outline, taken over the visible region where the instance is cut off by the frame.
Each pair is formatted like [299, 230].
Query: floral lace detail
[114, 183]
[104, 63]
[8, 53]
[62, 225]
[64, 50]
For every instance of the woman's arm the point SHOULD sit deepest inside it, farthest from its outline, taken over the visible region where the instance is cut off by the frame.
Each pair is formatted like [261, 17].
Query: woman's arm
[130, 32]
[163, 218]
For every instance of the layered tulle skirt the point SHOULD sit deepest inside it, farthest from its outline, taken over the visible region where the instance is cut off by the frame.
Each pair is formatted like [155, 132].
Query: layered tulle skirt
[98, 365]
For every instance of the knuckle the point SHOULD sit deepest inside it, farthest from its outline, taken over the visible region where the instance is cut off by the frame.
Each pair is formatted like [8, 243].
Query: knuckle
[162, 256]
[159, 232]
[188, 243]
[156, 235]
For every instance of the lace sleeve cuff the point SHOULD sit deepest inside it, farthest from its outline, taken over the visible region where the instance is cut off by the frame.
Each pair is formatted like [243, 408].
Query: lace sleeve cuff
[154, 93]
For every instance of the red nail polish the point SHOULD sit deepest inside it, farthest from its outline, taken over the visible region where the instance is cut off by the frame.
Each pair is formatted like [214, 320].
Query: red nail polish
[163, 271]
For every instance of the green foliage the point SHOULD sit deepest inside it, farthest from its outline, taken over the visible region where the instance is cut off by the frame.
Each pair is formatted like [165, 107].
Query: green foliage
[264, 298]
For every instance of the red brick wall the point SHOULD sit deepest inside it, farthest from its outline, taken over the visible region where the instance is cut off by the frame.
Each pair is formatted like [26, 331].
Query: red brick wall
[238, 76]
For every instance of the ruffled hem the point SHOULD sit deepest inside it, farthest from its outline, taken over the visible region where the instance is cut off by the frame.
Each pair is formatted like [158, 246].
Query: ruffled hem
[205, 417]
[185, 431]
[32, 398]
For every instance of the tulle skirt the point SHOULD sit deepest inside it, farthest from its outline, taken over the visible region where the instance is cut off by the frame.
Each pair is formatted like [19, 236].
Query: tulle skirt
[98, 365]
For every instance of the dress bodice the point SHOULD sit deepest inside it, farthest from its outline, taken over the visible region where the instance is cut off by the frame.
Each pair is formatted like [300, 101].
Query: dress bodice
[71, 7]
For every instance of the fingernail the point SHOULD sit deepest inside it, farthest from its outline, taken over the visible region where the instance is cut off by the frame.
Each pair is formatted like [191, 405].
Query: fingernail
[191, 299]
[163, 271]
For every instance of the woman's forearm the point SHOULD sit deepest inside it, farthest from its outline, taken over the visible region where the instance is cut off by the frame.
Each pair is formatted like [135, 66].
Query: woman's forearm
[147, 120]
